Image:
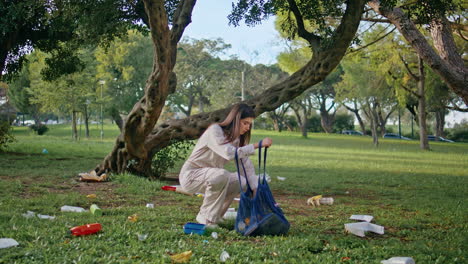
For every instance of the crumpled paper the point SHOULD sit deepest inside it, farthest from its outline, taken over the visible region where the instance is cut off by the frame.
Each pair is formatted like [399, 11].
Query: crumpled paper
[92, 177]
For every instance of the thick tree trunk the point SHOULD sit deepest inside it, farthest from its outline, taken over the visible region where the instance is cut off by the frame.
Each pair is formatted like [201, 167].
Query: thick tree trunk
[424, 143]
[117, 118]
[140, 140]
[74, 128]
[448, 64]
[440, 123]
[327, 120]
[86, 116]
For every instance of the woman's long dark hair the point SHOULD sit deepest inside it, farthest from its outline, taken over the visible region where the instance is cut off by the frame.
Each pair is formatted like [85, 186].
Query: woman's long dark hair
[231, 125]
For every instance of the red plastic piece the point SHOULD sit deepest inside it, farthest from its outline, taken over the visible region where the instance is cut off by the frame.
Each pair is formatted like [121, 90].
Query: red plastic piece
[169, 188]
[85, 229]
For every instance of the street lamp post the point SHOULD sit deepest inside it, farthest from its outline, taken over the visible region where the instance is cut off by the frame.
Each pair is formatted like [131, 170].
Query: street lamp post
[102, 82]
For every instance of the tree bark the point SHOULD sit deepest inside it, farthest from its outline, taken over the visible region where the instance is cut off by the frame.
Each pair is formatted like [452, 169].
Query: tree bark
[140, 140]
[447, 63]
[74, 128]
[440, 123]
[424, 143]
[86, 116]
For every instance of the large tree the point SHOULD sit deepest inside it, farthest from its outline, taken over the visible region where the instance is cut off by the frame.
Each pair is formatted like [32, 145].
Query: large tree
[140, 139]
[443, 57]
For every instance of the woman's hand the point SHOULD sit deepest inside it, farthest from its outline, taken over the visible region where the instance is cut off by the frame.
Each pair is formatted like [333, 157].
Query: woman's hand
[266, 142]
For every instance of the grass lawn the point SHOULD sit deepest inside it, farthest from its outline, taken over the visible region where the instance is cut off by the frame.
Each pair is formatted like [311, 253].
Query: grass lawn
[417, 196]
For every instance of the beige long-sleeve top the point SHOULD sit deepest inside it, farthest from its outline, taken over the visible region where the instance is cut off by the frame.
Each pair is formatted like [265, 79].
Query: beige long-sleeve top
[211, 151]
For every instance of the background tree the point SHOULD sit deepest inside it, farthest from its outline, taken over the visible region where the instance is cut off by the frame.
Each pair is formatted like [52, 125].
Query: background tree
[140, 140]
[444, 57]
[124, 67]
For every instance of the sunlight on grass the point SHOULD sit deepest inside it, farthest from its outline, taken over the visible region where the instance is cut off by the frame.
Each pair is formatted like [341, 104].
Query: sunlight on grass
[418, 196]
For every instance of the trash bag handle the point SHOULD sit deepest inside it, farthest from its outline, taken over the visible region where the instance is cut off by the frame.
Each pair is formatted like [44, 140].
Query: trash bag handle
[260, 163]
[236, 156]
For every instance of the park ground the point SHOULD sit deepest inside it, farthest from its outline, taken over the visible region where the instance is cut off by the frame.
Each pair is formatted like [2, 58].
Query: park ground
[418, 196]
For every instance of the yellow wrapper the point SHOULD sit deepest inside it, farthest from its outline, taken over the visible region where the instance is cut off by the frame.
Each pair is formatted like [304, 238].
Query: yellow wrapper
[183, 257]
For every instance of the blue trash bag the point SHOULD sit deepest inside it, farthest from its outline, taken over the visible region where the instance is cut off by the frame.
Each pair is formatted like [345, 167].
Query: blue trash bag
[260, 214]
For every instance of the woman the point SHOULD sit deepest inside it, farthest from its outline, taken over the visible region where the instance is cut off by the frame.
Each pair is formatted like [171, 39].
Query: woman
[204, 170]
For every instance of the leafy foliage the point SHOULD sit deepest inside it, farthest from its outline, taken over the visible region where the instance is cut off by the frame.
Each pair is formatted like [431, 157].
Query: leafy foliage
[168, 157]
[6, 135]
[39, 129]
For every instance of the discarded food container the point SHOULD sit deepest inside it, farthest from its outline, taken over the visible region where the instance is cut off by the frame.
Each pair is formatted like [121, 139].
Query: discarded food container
[67, 208]
[8, 242]
[45, 217]
[326, 200]
[190, 228]
[359, 228]
[314, 200]
[182, 257]
[230, 214]
[85, 229]
[224, 256]
[95, 210]
[176, 188]
[150, 205]
[133, 218]
[398, 260]
[367, 218]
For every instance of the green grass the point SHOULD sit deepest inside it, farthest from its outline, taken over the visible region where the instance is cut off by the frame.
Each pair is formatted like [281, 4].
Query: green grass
[418, 196]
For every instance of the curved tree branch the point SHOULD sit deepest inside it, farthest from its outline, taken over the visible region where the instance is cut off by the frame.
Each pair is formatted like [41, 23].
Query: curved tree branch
[313, 40]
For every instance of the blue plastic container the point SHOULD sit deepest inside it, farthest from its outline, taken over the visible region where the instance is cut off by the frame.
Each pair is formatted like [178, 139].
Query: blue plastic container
[194, 228]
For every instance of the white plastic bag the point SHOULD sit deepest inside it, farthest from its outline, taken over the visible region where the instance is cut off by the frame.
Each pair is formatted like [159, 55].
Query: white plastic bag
[359, 229]
[8, 242]
[398, 260]
[67, 208]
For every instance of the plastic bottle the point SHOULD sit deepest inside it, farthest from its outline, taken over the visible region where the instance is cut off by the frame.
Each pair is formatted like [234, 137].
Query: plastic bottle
[398, 260]
[85, 229]
[95, 210]
[326, 200]
[67, 208]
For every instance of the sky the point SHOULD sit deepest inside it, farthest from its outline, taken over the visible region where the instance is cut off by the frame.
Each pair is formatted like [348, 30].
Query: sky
[253, 45]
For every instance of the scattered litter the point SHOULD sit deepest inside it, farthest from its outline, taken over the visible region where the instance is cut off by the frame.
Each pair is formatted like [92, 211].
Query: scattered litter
[236, 199]
[91, 196]
[214, 235]
[29, 214]
[326, 200]
[92, 177]
[182, 257]
[191, 228]
[85, 229]
[200, 195]
[367, 218]
[398, 260]
[358, 229]
[8, 242]
[142, 237]
[46, 217]
[230, 214]
[347, 192]
[67, 208]
[95, 210]
[176, 188]
[281, 178]
[133, 218]
[314, 200]
[150, 205]
[267, 177]
[45, 151]
[224, 256]
[206, 241]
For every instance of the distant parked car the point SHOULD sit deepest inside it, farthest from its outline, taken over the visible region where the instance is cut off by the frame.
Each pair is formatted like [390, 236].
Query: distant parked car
[352, 132]
[441, 139]
[395, 136]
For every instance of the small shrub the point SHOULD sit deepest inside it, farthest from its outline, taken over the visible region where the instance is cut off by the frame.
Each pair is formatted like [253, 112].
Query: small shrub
[459, 133]
[40, 129]
[5, 136]
[167, 158]
[343, 122]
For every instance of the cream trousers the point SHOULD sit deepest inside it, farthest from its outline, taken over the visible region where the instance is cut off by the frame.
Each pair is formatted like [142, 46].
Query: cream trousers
[220, 188]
